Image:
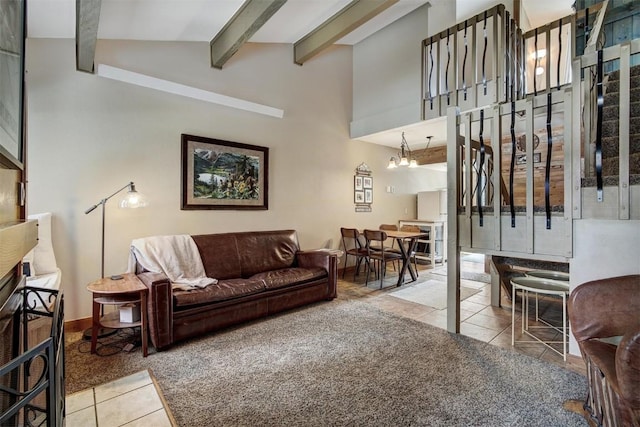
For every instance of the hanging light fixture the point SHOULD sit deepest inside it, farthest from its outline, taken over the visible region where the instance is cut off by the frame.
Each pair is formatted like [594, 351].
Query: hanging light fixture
[405, 156]
[428, 142]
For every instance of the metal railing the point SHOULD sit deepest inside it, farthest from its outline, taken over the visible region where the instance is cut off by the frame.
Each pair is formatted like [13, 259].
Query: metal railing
[487, 59]
[518, 200]
[537, 152]
[40, 367]
[607, 197]
[463, 65]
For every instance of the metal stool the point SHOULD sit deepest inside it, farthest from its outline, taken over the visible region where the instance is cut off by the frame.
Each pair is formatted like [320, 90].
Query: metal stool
[539, 286]
[549, 274]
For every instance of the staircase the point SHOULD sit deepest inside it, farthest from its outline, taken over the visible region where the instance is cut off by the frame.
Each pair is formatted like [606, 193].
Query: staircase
[610, 131]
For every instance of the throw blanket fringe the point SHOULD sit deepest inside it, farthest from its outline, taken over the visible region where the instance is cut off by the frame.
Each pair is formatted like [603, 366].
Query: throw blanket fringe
[175, 256]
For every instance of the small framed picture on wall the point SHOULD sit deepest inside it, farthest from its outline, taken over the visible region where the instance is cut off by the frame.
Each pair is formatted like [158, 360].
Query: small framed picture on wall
[357, 183]
[368, 195]
[367, 182]
[358, 196]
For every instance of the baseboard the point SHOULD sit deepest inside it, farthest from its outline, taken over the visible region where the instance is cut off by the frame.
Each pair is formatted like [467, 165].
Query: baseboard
[346, 271]
[575, 360]
[78, 325]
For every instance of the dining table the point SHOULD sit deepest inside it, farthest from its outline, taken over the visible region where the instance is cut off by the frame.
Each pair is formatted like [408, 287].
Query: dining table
[407, 241]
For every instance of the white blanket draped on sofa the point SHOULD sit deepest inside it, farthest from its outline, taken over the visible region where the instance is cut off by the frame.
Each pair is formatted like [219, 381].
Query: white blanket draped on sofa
[175, 256]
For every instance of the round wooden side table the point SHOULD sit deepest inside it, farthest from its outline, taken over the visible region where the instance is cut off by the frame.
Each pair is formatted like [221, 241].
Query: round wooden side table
[107, 291]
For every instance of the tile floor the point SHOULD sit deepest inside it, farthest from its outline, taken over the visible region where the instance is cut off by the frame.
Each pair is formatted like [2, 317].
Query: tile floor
[133, 401]
[479, 319]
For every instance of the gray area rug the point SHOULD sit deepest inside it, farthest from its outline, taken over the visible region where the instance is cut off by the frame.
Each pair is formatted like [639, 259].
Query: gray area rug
[432, 293]
[466, 275]
[342, 363]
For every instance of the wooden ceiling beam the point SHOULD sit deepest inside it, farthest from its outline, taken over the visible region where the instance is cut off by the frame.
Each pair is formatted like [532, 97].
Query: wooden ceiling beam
[475, 145]
[339, 25]
[438, 154]
[430, 156]
[251, 16]
[87, 20]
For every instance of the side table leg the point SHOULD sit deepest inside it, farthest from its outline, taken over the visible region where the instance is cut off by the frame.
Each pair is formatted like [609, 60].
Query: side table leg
[95, 325]
[143, 324]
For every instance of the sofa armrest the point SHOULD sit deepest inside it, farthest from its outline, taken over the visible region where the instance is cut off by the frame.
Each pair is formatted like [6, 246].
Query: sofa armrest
[323, 258]
[314, 258]
[159, 308]
[605, 308]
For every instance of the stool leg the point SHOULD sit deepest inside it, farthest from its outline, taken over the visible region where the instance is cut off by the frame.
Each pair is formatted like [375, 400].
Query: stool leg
[524, 304]
[564, 327]
[513, 315]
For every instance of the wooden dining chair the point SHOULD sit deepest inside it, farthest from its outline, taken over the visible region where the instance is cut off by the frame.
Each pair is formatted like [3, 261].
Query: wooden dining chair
[412, 255]
[352, 247]
[380, 258]
[391, 247]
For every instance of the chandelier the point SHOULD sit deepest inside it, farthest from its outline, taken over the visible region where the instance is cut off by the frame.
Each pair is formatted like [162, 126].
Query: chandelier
[405, 156]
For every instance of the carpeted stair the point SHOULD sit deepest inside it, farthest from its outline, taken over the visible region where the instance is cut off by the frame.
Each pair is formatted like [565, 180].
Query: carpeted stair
[611, 129]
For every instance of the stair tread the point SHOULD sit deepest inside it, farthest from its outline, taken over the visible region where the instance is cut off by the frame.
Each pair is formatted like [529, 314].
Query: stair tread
[610, 166]
[611, 145]
[612, 127]
[613, 97]
[615, 75]
[614, 85]
[611, 111]
[609, 181]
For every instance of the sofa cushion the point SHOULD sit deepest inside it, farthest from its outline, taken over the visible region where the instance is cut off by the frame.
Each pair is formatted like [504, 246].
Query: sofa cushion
[221, 291]
[289, 276]
[262, 251]
[219, 254]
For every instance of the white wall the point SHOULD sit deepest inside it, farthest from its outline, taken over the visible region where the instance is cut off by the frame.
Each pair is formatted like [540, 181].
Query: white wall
[387, 75]
[436, 179]
[467, 8]
[89, 136]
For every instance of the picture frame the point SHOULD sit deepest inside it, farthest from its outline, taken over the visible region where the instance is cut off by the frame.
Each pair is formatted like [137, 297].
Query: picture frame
[367, 182]
[368, 195]
[358, 196]
[219, 174]
[357, 183]
[521, 159]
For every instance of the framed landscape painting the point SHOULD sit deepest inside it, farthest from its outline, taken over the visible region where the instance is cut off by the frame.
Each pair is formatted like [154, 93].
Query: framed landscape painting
[218, 174]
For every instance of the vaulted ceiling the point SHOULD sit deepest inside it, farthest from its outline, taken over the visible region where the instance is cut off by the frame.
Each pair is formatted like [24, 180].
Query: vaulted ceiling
[310, 25]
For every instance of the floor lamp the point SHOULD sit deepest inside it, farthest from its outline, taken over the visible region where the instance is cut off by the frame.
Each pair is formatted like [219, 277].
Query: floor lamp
[131, 200]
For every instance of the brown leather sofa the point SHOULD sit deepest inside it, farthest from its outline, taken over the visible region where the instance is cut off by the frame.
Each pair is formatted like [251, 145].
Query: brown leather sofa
[603, 312]
[259, 273]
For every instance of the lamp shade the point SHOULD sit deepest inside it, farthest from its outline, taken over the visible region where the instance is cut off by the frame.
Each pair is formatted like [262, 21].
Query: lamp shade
[392, 164]
[133, 199]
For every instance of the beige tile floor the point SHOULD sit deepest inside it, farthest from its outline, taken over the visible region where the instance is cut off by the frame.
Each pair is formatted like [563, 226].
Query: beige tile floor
[479, 319]
[133, 401]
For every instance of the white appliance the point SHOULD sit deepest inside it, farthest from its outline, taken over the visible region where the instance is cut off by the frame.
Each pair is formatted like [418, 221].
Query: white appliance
[432, 205]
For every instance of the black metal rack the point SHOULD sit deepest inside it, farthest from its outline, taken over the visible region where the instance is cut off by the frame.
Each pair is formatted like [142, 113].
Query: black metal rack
[37, 370]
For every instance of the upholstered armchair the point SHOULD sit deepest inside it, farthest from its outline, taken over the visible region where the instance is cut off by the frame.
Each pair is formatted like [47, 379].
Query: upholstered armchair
[605, 319]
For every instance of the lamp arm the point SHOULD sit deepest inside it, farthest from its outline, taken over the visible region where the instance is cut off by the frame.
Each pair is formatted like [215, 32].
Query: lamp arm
[103, 201]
